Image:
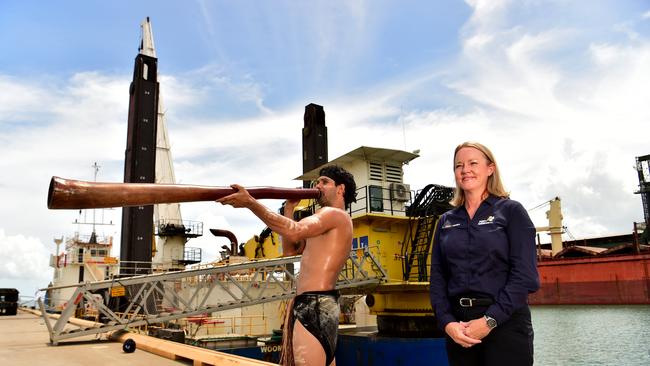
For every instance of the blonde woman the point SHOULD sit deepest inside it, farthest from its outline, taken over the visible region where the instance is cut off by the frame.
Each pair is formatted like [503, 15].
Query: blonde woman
[483, 267]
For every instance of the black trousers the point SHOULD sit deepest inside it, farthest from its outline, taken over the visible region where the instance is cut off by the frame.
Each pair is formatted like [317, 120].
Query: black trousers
[510, 343]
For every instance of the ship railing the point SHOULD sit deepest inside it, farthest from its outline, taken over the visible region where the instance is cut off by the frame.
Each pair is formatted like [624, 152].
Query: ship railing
[65, 259]
[171, 227]
[158, 298]
[205, 265]
[84, 240]
[135, 268]
[222, 325]
[191, 255]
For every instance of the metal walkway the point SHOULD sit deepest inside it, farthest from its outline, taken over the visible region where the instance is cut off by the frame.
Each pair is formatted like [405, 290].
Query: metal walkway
[158, 298]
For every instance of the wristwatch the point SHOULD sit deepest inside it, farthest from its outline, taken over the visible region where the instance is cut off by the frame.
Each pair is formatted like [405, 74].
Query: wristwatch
[491, 322]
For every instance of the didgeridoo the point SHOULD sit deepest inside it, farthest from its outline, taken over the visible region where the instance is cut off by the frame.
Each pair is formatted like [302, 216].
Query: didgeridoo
[77, 194]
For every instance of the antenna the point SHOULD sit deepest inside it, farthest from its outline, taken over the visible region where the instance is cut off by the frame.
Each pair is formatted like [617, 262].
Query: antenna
[95, 167]
[401, 117]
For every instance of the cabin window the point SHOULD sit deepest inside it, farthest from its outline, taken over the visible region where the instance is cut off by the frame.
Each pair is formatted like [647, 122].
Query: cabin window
[376, 194]
[98, 253]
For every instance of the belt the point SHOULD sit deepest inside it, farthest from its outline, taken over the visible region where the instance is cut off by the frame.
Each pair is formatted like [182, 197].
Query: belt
[333, 293]
[468, 302]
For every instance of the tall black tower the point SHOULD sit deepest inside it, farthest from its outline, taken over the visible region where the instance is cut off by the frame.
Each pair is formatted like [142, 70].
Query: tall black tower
[140, 165]
[314, 139]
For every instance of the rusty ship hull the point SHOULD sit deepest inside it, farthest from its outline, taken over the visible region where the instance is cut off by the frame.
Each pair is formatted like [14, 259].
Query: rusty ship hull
[609, 280]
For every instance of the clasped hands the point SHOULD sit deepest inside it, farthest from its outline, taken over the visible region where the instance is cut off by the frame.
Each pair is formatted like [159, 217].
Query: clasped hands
[469, 333]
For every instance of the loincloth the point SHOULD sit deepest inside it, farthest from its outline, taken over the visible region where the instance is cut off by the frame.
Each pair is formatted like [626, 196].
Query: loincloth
[318, 312]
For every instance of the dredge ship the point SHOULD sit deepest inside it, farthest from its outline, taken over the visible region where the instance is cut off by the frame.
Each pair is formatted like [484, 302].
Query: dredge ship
[596, 271]
[161, 292]
[384, 282]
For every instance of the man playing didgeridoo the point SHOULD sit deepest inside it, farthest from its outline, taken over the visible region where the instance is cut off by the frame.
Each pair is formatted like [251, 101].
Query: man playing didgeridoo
[324, 240]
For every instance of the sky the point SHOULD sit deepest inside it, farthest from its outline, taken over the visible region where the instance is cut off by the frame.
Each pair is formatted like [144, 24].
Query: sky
[557, 89]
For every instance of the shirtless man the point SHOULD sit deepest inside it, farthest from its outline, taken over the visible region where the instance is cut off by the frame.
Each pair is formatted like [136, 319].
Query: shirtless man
[324, 240]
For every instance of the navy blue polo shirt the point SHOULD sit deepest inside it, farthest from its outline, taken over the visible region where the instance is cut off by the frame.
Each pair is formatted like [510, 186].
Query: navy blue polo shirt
[492, 254]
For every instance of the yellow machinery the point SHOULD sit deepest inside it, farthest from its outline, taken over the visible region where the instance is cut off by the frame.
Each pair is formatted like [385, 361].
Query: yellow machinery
[395, 226]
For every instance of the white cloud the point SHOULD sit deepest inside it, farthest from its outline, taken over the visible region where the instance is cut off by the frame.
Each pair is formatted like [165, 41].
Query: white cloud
[18, 101]
[25, 262]
[536, 102]
[563, 109]
[487, 13]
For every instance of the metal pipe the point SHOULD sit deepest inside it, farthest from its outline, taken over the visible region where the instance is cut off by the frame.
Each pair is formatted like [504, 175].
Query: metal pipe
[228, 234]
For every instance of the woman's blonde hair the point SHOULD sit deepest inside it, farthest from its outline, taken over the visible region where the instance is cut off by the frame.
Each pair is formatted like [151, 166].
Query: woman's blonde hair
[494, 184]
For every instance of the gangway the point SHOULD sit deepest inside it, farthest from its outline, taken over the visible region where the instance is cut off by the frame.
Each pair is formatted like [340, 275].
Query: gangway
[158, 298]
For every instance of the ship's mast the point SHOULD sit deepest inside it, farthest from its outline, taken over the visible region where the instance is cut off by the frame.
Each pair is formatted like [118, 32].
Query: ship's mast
[149, 159]
[168, 247]
[95, 167]
[140, 156]
[146, 44]
[83, 214]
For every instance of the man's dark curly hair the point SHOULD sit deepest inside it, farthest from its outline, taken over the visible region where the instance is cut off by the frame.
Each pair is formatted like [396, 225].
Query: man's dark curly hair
[342, 176]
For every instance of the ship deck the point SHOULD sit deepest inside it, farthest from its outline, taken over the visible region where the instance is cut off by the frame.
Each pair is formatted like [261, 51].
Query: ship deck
[24, 341]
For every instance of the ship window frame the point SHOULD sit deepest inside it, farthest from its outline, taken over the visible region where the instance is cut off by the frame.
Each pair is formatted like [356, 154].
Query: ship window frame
[376, 198]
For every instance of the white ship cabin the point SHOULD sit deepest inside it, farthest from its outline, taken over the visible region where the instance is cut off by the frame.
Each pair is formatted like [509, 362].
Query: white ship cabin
[86, 258]
[379, 174]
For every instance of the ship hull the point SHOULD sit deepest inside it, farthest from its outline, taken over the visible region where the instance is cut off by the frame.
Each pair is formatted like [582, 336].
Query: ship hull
[368, 348]
[362, 346]
[610, 280]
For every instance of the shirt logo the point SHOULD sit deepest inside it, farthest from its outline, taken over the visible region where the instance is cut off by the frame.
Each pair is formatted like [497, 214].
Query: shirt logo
[448, 225]
[489, 220]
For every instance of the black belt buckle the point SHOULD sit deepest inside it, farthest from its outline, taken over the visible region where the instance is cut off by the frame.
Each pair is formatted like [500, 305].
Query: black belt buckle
[466, 302]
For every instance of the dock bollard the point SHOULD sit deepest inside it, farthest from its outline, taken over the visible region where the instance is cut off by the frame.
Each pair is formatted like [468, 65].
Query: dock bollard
[128, 346]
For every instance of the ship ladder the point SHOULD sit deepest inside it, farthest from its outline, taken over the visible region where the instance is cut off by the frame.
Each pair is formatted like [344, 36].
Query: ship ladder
[416, 264]
[430, 202]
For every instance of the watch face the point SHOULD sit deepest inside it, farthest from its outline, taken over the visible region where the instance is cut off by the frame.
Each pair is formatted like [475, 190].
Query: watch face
[491, 323]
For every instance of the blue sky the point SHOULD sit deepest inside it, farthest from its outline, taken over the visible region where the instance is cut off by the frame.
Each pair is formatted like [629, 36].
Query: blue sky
[326, 47]
[558, 90]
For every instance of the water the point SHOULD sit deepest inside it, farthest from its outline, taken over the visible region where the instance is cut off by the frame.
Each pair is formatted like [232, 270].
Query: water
[592, 335]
